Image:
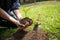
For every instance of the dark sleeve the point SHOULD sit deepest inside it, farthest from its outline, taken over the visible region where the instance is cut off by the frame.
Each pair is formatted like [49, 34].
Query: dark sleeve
[15, 4]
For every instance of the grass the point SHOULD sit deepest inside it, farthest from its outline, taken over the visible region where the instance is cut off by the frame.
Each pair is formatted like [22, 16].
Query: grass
[49, 17]
[5, 32]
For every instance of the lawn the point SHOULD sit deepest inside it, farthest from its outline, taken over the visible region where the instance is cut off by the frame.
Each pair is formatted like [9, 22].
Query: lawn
[48, 15]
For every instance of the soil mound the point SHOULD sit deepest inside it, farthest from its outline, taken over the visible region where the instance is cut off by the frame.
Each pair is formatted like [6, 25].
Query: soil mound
[28, 35]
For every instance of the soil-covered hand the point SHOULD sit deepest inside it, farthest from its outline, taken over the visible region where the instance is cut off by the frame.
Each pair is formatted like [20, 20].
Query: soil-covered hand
[26, 22]
[19, 24]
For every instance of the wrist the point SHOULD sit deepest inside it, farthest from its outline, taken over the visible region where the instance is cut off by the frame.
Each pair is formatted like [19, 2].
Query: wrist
[16, 22]
[20, 17]
[13, 20]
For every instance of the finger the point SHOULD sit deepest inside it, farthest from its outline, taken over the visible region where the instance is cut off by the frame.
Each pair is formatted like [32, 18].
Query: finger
[22, 25]
[22, 28]
[27, 23]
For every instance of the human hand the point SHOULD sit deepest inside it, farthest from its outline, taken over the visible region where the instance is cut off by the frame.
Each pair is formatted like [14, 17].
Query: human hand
[26, 21]
[22, 26]
[19, 25]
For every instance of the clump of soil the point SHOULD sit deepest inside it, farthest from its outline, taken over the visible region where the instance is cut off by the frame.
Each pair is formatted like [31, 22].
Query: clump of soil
[26, 21]
[28, 35]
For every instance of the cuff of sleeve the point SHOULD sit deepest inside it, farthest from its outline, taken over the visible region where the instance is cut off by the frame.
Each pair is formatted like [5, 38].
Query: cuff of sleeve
[15, 6]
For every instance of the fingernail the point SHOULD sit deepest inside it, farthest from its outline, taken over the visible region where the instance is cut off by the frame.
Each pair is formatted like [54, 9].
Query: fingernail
[24, 25]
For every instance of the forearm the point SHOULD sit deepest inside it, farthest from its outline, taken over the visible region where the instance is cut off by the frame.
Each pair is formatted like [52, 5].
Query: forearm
[18, 14]
[4, 15]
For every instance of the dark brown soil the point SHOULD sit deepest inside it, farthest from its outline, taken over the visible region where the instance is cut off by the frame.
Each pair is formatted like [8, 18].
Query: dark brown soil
[28, 35]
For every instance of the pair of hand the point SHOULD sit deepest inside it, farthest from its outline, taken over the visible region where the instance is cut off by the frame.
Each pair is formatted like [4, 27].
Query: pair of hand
[22, 26]
[23, 23]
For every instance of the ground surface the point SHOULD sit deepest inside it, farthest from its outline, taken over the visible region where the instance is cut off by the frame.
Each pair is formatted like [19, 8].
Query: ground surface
[50, 19]
[28, 35]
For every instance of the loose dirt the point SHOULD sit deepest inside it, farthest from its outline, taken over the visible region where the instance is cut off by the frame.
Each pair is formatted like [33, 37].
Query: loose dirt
[28, 35]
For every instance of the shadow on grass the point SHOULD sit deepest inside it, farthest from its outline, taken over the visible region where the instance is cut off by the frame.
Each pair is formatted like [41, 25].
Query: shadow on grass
[18, 35]
[5, 32]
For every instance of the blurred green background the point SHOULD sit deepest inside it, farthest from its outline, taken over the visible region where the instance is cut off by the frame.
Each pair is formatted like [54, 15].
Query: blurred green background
[49, 18]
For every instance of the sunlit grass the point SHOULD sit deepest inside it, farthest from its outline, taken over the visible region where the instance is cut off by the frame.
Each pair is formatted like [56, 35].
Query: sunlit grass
[49, 16]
